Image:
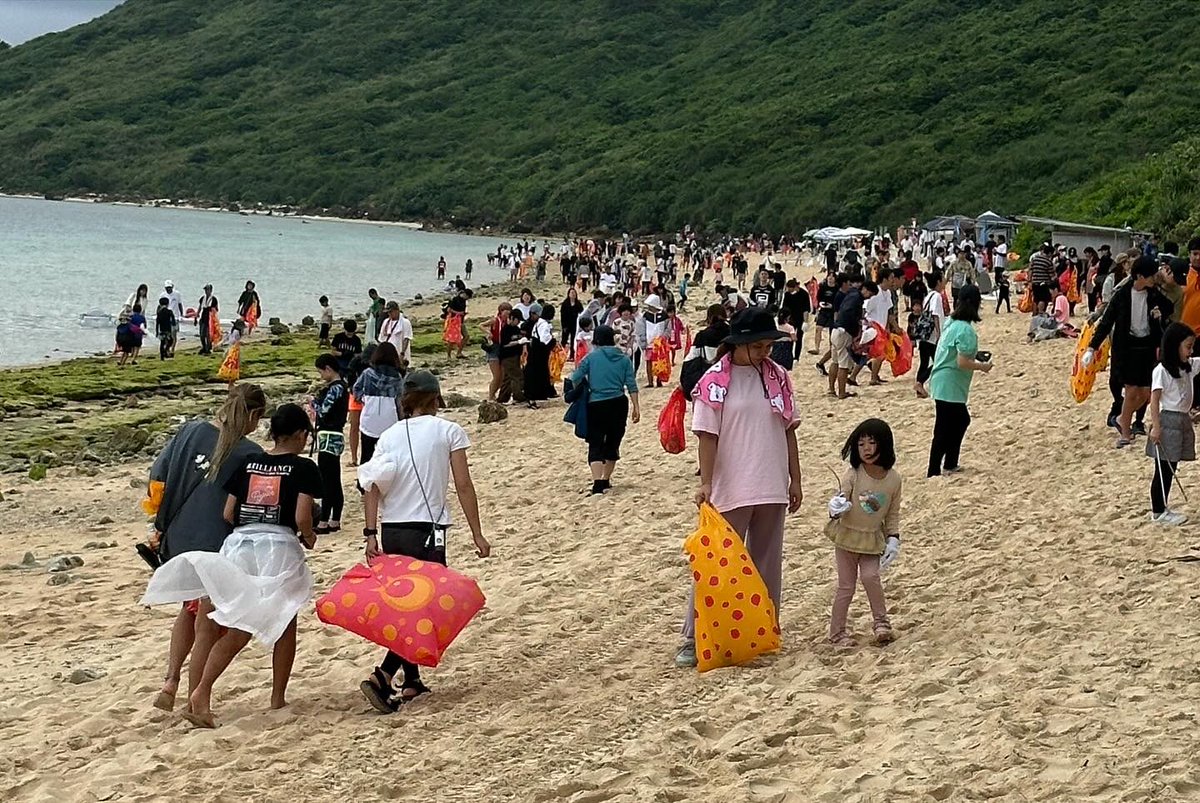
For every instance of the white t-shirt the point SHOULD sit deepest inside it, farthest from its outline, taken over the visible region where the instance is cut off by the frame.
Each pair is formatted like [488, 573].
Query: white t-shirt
[414, 449]
[543, 331]
[1176, 393]
[937, 308]
[877, 307]
[1139, 314]
[523, 308]
[396, 332]
[174, 303]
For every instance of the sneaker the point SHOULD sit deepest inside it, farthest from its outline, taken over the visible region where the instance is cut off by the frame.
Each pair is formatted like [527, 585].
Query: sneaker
[821, 370]
[1112, 422]
[1169, 518]
[1138, 428]
[686, 657]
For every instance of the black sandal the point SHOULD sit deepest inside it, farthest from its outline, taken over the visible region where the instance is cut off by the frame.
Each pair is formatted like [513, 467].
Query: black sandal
[417, 687]
[149, 555]
[378, 691]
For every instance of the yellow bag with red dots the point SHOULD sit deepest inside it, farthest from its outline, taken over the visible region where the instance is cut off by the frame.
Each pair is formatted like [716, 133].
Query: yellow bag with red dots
[735, 618]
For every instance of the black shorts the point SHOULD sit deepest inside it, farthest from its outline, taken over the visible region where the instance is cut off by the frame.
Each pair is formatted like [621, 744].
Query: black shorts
[1134, 366]
[1041, 294]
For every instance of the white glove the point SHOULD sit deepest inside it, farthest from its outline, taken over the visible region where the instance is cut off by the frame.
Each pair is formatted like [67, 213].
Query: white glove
[1088, 356]
[838, 505]
[891, 551]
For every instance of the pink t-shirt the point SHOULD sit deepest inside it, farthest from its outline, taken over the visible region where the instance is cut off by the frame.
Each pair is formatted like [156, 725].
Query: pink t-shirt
[1062, 309]
[752, 463]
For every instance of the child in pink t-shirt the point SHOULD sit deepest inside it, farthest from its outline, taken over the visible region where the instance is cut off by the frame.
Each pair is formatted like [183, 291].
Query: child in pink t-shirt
[1062, 307]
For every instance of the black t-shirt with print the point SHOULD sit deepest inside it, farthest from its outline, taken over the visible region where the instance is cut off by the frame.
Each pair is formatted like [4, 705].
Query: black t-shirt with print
[348, 347]
[267, 487]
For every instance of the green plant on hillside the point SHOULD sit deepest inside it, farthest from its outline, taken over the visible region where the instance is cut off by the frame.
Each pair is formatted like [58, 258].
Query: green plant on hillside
[761, 115]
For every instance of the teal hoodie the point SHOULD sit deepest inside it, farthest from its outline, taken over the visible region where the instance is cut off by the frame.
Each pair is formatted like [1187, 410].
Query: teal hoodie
[609, 374]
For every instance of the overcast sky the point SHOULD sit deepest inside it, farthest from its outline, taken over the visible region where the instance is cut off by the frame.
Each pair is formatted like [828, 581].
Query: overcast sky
[21, 20]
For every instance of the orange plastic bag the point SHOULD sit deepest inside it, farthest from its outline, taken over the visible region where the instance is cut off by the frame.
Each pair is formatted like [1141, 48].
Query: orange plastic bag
[414, 608]
[1026, 302]
[735, 617]
[154, 497]
[660, 359]
[879, 346]
[1083, 378]
[670, 423]
[902, 358]
[558, 358]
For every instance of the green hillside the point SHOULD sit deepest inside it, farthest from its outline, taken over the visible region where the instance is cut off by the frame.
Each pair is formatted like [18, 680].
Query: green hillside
[762, 114]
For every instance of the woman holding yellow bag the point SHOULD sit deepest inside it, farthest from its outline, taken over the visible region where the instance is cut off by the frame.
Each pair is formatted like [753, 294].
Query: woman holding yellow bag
[749, 465]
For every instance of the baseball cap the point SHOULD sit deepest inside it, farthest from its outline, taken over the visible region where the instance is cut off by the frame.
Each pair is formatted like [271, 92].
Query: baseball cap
[168, 283]
[421, 382]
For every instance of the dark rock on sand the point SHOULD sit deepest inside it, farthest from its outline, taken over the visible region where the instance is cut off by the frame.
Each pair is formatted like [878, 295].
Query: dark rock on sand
[491, 412]
[128, 440]
[456, 400]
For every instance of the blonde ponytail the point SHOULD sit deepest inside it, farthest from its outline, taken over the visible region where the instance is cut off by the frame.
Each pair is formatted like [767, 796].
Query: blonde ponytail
[233, 421]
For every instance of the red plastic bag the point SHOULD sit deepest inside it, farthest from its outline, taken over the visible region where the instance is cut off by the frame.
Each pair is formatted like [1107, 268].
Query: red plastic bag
[903, 360]
[414, 608]
[670, 423]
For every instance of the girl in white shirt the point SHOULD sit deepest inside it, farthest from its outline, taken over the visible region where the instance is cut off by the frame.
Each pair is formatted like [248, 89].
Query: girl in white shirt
[934, 305]
[1172, 437]
[406, 509]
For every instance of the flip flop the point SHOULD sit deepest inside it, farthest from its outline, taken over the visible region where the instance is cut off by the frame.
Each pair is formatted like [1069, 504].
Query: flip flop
[151, 557]
[200, 720]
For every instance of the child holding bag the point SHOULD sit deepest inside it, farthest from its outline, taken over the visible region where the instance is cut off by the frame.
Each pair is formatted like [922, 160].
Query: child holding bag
[1172, 437]
[864, 524]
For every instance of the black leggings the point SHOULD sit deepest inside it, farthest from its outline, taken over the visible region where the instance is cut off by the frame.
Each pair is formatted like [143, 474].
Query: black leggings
[331, 478]
[414, 540]
[606, 429]
[1002, 297]
[926, 367]
[366, 448]
[1160, 486]
[950, 423]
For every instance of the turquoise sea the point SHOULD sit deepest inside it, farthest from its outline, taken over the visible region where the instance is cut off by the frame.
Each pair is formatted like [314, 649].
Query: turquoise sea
[62, 259]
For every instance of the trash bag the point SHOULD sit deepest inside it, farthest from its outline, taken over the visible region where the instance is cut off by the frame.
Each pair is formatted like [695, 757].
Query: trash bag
[902, 359]
[735, 617]
[154, 498]
[1026, 302]
[412, 607]
[660, 359]
[878, 345]
[670, 423]
[1083, 378]
[558, 358]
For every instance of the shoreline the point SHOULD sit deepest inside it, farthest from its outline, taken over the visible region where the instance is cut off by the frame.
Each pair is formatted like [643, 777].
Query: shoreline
[313, 214]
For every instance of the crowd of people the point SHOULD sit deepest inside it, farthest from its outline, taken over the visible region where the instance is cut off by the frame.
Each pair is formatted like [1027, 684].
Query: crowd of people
[622, 308]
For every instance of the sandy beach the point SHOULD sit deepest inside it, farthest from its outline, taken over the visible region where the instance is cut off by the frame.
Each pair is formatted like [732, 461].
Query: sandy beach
[1041, 653]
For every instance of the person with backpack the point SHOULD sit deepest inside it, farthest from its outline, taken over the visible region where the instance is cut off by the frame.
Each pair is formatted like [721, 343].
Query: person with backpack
[928, 329]
[704, 348]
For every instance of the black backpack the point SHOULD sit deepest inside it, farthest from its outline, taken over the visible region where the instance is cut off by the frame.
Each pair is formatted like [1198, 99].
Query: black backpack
[690, 373]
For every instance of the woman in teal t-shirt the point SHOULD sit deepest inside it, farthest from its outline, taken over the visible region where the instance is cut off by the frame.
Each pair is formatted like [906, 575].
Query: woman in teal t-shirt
[950, 382]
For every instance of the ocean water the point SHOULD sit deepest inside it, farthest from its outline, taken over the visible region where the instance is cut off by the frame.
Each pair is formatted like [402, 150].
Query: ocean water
[59, 260]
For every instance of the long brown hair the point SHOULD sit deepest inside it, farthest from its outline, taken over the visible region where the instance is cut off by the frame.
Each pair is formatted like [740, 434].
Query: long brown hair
[233, 421]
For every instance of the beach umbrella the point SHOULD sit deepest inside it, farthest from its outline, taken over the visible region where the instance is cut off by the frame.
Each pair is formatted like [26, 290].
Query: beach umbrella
[1083, 377]
[414, 608]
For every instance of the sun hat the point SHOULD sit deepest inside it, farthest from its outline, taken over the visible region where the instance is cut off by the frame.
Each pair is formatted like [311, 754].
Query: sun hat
[653, 302]
[535, 309]
[752, 325]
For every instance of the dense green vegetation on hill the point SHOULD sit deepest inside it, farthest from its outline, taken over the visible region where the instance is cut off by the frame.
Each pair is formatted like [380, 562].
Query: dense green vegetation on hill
[733, 114]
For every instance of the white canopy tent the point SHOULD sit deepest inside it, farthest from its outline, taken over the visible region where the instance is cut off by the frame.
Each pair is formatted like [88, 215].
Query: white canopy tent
[835, 234]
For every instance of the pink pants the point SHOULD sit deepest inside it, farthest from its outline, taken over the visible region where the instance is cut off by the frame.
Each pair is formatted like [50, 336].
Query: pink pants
[761, 529]
[851, 567]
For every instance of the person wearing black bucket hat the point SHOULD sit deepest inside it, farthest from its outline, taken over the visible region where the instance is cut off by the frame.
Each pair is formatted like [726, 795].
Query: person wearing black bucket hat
[745, 419]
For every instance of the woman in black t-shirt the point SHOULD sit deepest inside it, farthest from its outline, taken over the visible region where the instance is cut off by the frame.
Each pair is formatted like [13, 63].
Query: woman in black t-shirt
[259, 581]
